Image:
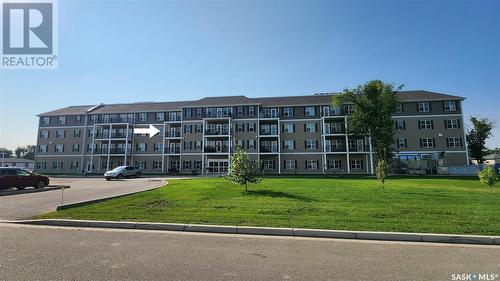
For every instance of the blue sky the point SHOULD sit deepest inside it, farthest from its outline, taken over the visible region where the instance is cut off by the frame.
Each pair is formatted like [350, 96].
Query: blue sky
[129, 51]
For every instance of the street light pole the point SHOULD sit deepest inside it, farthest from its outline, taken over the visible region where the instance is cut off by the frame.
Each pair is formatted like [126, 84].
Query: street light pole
[3, 157]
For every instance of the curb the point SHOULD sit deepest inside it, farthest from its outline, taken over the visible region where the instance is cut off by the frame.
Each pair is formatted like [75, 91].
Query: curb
[33, 190]
[295, 232]
[82, 203]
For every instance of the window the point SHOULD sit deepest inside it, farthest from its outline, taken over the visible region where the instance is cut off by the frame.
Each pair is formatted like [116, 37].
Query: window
[239, 111]
[399, 108]
[46, 120]
[288, 111]
[334, 164]
[140, 164]
[186, 165]
[188, 129]
[157, 165]
[160, 116]
[290, 164]
[348, 109]
[198, 128]
[140, 147]
[199, 112]
[356, 164]
[288, 144]
[41, 165]
[309, 111]
[451, 123]
[251, 110]
[311, 144]
[311, 164]
[310, 127]
[240, 127]
[42, 148]
[78, 119]
[401, 143]
[76, 147]
[450, 106]
[61, 120]
[143, 117]
[188, 113]
[251, 127]
[425, 124]
[44, 134]
[57, 165]
[400, 125]
[268, 164]
[197, 145]
[424, 106]
[197, 164]
[77, 133]
[158, 146]
[59, 148]
[187, 145]
[74, 165]
[453, 142]
[427, 142]
[251, 144]
[288, 128]
[60, 134]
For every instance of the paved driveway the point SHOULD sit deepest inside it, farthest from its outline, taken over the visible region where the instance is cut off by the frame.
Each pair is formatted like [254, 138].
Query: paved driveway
[24, 206]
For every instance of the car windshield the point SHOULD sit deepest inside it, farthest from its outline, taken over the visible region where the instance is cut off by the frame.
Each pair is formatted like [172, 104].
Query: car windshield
[117, 169]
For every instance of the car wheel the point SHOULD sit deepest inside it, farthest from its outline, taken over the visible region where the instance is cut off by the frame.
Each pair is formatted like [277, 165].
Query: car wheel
[119, 176]
[20, 187]
[108, 179]
[137, 175]
[40, 184]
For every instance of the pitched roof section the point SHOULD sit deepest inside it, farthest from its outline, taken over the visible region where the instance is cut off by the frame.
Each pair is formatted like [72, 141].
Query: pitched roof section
[425, 96]
[317, 99]
[220, 101]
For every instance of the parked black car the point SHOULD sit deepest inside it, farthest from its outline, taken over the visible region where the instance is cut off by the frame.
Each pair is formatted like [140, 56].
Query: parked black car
[21, 178]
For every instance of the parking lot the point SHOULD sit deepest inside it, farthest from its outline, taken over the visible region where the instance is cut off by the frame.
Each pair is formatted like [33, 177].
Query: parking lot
[27, 205]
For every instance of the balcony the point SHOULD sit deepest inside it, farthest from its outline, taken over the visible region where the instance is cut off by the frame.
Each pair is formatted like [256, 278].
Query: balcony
[333, 113]
[217, 132]
[269, 132]
[269, 149]
[112, 136]
[173, 119]
[217, 149]
[172, 150]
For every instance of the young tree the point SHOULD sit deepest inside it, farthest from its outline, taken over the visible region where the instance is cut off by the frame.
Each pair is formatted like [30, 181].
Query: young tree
[476, 137]
[488, 177]
[20, 151]
[373, 105]
[243, 170]
[382, 170]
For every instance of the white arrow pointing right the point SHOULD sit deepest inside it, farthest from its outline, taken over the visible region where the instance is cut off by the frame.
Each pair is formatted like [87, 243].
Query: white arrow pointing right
[152, 131]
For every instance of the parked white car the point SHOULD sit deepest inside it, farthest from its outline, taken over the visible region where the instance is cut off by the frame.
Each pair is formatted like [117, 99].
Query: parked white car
[122, 172]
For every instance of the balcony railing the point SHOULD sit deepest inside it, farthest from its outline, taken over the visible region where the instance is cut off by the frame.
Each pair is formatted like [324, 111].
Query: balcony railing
[172, 150]
[271, 149]
[216, 149]
[218, 115]
[112, 136]
[331, 148]
[334, 130]
[173, 134]
[269, 132]
[173, 119]
[101, 150]
[334, 113]
[217, 132]
[269, 114]
[359, 148]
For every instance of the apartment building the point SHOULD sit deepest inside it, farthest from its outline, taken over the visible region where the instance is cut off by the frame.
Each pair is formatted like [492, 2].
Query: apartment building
[290, 135]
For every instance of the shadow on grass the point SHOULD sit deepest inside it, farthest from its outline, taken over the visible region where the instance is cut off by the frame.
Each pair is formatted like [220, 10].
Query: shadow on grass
[278, 194]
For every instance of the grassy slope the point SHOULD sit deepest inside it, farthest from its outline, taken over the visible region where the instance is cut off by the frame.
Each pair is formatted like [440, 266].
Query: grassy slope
[410, 205]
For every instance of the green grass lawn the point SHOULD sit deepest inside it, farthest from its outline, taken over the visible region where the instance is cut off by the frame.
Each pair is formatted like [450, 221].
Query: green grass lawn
[440, 205]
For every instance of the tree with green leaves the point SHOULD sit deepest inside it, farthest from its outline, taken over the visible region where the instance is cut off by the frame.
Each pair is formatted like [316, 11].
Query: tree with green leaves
[373, 106]
[382, 170]
[477, 136]
[243, 170]
[488, 177]
[7, 153]
[25, 152]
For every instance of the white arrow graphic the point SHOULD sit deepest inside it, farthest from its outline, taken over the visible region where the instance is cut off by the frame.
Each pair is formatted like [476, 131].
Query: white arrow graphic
[152, 131]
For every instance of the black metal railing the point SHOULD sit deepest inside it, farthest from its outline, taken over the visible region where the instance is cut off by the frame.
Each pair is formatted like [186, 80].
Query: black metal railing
[269, 114]
[332, 148]
[271, 149]
[172, 150]
[176, 134]
[217, 132]
[217, 149]
[359, 148]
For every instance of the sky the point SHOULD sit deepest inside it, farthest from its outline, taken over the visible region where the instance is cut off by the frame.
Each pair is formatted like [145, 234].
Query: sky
[134, 51]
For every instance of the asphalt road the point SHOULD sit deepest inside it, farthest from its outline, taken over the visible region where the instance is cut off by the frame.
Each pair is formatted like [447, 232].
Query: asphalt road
[58, 253]
[24, 206]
